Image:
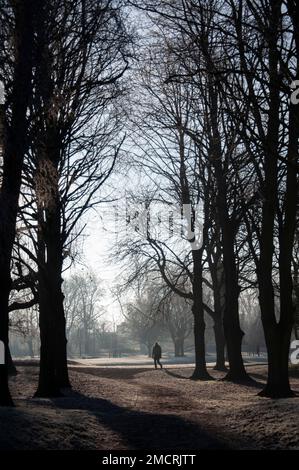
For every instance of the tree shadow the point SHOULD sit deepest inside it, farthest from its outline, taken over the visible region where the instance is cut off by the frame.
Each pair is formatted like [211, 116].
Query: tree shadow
[250, 382]
[26, 362]
[176, 375]
[143, 430]
[109, 372]
[261, 378]
[246, 382]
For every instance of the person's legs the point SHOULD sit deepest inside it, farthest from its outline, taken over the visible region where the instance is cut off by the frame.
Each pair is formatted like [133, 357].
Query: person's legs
[159, 363]
[155, 362]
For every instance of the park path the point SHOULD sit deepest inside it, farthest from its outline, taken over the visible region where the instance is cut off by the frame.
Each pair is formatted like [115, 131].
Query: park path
[145, 362]
[139, 408]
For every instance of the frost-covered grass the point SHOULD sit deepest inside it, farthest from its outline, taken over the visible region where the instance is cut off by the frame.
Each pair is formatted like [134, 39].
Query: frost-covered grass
[140, 408]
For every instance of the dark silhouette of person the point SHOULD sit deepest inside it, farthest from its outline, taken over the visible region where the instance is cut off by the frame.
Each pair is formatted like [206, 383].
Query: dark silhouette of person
[157, 354]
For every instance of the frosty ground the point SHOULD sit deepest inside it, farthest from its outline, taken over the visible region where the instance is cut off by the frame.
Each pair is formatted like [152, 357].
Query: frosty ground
[140, 408]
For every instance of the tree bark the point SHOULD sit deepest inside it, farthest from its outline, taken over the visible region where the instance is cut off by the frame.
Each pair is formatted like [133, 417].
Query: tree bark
[48, 149]
[278, 332]
[220, 344]
[52, 319]
[47, 384]
[278, 347]
[217, 274]
[15, 145]
[231, 320]
[200, 372]
[5, 397]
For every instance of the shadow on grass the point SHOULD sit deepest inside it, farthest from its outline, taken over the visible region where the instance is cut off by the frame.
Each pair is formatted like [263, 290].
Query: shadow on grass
[176, 375]
[116, 373]
[250, 382]
[142, 430]
[246, 382]
[260, 378]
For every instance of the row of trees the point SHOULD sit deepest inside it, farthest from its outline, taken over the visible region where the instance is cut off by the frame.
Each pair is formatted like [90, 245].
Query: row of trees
[152, 312]
[216, 125]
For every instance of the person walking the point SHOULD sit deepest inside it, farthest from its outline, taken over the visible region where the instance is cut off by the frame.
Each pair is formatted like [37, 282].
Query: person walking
[157, 354]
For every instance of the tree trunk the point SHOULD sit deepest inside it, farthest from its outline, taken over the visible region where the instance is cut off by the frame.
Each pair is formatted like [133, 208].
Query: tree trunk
[220, 344]
[217, 274]
[278, 333]
[231, 320]
[5, 397]
[200, 371]
[233, 333]
[53, 357]
[48, 148]
[47, 384]
[14, 147]
[52, 319]
[86, 341]
[178, 347]
[182, 347]
[278, 347]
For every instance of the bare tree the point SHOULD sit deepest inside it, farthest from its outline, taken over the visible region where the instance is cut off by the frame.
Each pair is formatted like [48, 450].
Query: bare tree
[176, 313]
[76, 136]
[270, 135]
[19, 94]
[83, 309]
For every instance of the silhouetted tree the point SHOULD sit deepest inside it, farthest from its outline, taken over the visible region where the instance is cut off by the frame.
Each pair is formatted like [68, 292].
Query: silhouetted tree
[19, 95]
[76, 137]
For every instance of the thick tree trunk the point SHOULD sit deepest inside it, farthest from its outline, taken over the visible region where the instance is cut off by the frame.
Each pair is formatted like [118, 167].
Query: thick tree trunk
[5, 397]
[52, 319]
[49, 213]
[220, 344]
[232, 331]
[278, 333]
[217, 273]
[200, 371]
[55, 254]
[53, 356]
[278, 346]
[14, 148]
[231, 320]
[47, 384]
